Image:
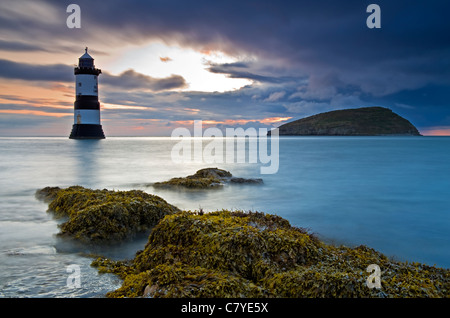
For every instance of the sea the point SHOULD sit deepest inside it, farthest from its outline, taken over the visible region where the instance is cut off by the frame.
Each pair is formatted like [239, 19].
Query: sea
[389, 193]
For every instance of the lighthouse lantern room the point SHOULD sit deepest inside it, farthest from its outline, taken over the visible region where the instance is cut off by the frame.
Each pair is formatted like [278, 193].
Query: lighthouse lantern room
[86, 107]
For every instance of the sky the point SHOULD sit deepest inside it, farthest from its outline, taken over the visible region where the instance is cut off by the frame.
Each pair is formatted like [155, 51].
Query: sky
[228, 63]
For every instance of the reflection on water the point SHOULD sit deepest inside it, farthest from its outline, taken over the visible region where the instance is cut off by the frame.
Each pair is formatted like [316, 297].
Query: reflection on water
[85, 155]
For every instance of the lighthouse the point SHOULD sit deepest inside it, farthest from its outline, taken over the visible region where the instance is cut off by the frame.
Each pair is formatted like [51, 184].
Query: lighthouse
[86, 107]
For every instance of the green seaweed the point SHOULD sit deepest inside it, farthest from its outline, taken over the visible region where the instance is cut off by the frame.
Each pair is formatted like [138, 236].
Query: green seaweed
[180, 280]
[207, 178]
[47, 194]
[252, 254]
[103, 216]
[121, 268]
[228, 253]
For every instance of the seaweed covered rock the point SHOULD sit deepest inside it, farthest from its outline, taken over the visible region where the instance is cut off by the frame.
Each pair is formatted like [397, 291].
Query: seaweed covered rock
[103, 216]
[181, 280]
[237, 254]
[206, 178]
[47, 194]
[244, 244]
[212, 173]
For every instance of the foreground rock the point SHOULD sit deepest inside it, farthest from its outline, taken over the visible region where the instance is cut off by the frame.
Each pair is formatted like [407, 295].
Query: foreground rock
[227, 254]
[237, 254]
[367, 121]
[103, 216]
[206, 179]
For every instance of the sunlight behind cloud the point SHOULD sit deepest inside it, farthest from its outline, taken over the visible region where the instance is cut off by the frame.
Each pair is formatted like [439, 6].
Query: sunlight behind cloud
[159, 60]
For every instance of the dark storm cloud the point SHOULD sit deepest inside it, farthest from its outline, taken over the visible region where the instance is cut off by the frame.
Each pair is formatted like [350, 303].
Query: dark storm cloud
[268, 27]
[310, 37]
[19, 46]
[33, 72]
[131, 79]
[426, 106]
[238, 70]
[176, 106]
[127, 80]
[315, 37]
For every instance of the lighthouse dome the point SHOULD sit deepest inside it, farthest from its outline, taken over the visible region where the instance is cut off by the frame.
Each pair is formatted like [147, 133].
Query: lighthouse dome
[86, 60]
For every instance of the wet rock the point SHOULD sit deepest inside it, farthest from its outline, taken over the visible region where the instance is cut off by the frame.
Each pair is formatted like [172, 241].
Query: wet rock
[229, 253]
[150, 291]
[47, 194]
[207, 178]
[239, 254]
[212, 173]
[103, 216]
[245, 181]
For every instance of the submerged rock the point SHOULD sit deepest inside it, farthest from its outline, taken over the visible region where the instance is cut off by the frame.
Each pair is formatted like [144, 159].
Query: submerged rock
[245, 180]
[103, 216]
[237, 254]
[206, 178]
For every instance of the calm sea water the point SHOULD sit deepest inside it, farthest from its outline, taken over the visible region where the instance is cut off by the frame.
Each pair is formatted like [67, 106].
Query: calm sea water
[390, 193]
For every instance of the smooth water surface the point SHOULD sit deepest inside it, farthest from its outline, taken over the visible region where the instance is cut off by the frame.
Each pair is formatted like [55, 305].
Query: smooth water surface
[390, 193]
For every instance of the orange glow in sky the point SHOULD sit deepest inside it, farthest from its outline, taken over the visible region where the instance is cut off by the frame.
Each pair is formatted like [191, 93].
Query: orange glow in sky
[33, 112]
[437, 131]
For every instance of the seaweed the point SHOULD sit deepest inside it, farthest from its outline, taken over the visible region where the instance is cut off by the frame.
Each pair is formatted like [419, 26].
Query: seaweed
[253, 254]
[228, 253]
[207, 178]
[103, 216]
[47, 194]
[181, 280]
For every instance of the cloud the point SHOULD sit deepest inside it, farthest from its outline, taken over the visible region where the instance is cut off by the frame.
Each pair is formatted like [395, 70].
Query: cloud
[312, 39]
[275, 96]
[34, 112]
[320, 53]
[23, 122]
[131, 79]
[16, 46]
[32, 72]
[165, 59]
[184, 105]
[244, 70]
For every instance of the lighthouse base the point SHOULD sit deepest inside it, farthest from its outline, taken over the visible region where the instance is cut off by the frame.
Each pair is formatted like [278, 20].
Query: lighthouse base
[87, 131]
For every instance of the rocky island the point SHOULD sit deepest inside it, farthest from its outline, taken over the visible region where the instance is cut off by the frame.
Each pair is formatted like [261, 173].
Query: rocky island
[367, 121]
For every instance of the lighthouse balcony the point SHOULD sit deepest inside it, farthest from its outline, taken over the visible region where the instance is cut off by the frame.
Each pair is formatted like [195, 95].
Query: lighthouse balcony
[87, 70]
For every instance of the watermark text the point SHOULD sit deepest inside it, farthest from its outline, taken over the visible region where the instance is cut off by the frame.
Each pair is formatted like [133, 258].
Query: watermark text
[74, 279]
[74, 19]
[236, 146]
[374, 279]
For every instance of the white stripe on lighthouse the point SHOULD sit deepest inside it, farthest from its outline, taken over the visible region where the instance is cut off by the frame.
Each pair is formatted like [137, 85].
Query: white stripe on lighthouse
[86, 84]
[87, 116]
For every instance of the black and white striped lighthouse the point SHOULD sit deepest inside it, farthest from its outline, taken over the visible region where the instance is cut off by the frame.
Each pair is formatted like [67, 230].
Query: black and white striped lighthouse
[87, 108]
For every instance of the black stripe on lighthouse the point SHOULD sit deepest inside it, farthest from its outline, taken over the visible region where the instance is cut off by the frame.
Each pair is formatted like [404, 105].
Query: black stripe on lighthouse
[87, 102]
